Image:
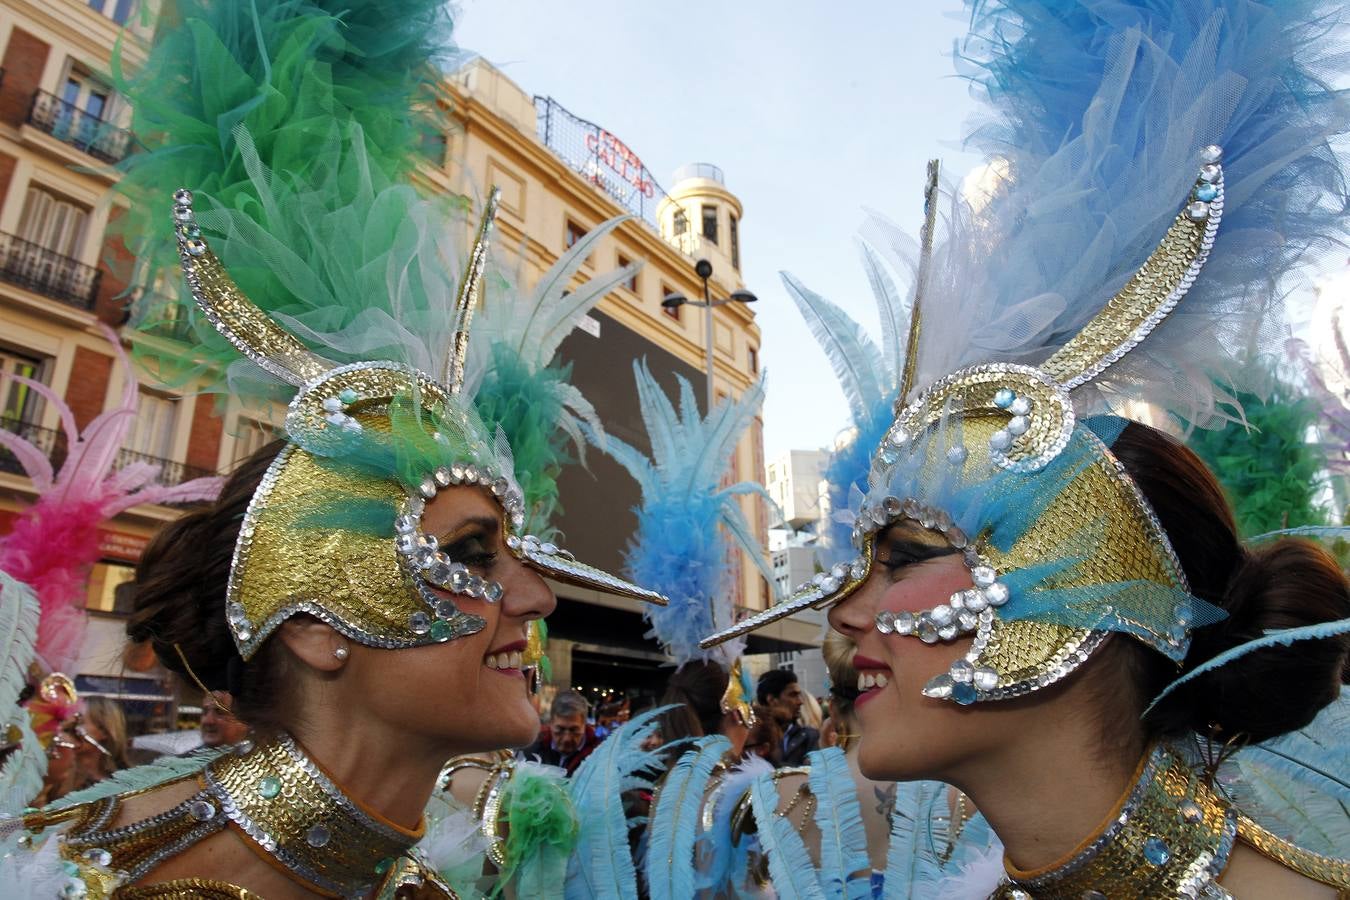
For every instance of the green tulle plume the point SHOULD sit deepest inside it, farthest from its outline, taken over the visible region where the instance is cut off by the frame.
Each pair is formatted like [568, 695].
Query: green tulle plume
[298, 79]
[526, 406]
[541, 828]
[1270, 470]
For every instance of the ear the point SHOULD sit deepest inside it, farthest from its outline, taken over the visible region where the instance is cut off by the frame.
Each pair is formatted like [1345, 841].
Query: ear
[312, 642]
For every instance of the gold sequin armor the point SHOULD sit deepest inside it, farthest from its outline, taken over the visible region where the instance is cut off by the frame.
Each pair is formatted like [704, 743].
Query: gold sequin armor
[1171, 836]
[277, 800]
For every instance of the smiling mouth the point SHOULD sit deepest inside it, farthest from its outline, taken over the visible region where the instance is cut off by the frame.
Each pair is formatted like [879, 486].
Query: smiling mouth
[873, 677]
[507, 659]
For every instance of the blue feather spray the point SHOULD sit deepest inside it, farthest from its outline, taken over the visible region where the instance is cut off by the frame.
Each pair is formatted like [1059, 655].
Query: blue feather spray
[674, 827]
[794, 878]
[602, 867]
[845, 870]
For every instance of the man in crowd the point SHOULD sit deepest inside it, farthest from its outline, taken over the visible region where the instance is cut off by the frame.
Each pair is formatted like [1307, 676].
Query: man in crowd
[779, 693]
[566, 740]
[218, 725]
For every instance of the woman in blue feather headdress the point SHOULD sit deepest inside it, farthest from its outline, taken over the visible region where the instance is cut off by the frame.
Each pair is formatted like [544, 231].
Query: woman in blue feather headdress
[1053, 609]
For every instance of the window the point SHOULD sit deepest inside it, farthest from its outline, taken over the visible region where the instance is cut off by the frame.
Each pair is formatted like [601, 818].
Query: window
[710, 223]
[574, 233]
[250, 437]
[103, 594]
[117, 10]
[753, 353]
[20, 404]
[632, 282]
[735, 235]
[155, 424]
[672, 311]
[680, 222]
[53, 223]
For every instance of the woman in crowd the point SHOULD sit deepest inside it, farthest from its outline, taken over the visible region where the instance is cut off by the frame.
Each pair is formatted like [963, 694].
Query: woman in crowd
[1053, 610]
[102, 735]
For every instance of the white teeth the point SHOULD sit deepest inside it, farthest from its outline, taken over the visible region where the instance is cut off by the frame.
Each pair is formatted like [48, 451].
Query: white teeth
[515, 660]
[869, 680]
[491, 661]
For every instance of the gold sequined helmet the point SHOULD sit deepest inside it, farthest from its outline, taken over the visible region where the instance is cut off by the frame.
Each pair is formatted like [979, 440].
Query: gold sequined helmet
[1061, 546]
[334, 529]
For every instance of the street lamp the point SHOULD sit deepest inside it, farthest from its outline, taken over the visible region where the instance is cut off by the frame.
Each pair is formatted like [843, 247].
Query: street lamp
[704, 270]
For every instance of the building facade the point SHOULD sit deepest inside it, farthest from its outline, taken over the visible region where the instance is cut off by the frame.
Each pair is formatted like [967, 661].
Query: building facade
[62, 129]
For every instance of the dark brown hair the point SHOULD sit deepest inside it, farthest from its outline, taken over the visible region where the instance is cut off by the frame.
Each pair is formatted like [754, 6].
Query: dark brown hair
[1280, 584]
[696, 688]
[180, 600]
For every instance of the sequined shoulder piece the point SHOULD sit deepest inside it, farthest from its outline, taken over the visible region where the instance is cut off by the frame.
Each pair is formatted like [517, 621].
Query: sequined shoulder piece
[188, 889]
[412, 878]
[1324, 869]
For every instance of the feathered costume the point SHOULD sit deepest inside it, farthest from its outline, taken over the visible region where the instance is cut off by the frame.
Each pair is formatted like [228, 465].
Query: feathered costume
[284, 133]
[1157, 173]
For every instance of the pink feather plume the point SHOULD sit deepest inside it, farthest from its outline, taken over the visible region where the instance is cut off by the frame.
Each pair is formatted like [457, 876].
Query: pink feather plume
[55, 542]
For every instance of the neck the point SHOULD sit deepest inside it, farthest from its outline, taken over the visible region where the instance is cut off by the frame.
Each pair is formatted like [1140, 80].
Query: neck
[394, 779]
[1049, 793]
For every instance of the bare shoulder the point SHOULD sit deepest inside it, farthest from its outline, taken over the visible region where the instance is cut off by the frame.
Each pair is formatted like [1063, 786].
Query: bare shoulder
[1252, 875]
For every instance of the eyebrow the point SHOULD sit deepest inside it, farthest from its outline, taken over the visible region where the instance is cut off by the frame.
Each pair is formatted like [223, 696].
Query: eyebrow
[468, 526]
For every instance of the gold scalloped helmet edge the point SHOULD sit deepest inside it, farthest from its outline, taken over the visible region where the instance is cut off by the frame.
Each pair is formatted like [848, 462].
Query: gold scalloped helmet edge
[384, 590]
[1021, 418]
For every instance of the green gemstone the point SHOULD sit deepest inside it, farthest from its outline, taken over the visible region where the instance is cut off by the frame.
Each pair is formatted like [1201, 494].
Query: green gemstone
[348, 395]
[440, 630]
[269, 787]
[383, 865]
[69, 867]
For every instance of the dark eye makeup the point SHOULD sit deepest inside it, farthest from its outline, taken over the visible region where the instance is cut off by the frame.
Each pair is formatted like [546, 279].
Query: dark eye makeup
[896, 552]
[473, 543]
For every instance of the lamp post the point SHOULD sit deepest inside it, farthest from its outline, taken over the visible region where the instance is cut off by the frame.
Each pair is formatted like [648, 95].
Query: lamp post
[704, 270]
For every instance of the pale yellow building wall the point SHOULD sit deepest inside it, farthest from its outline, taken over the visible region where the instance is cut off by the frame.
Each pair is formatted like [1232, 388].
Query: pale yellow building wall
[496, 144]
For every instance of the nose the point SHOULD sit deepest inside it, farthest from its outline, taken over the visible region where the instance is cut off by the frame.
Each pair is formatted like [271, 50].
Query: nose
[855, 615]
[525, 594]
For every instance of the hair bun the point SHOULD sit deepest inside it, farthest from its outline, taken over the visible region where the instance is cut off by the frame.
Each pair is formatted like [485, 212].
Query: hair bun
[1274, 690]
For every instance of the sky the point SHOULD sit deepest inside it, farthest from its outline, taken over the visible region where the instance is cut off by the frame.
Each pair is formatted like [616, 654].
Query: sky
[814, 112]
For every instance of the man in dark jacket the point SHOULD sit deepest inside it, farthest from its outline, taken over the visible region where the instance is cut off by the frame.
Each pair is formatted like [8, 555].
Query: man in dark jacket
[778, 692]
[566, 740]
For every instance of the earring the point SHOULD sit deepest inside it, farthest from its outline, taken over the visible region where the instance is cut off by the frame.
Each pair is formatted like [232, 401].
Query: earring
[341, 652]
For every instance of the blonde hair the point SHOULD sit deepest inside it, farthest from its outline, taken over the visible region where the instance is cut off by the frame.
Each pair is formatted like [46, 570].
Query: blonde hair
[107, 714]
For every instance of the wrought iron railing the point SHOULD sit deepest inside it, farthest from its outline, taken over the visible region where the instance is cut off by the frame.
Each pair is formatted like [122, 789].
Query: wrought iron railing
[53, 444]
[47, 272]
[71, 125]
[171, 472]
[599, 157]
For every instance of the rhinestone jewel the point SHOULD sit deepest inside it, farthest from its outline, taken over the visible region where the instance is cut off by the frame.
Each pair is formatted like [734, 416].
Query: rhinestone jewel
[492, 591]
[984, 678]
[348, 396]
[183, 197]
[446, 609]
[442, 476]
[318, 836]
[1206, 192]
[1210, 173]
[997, 594]
[964, 694]
[962, 671]
[459, 580]
[419, 623]
[1018, 425]
[190, 230]
[182, 213]
[886, 622]
[904, 623]
[440, 631]
[957, 455]
[910, 507]
[1156, 851]
[98, 856]
[927, 631]
[939, 687]
[202, 810]
[1020, 407]
[269, 787]
[983, 576]
[1004, 398]
[1190, 812]
[956, 537]
[941, 614]
[1001, 439]
[195, 247]
[1211, 154]
[1197, 210]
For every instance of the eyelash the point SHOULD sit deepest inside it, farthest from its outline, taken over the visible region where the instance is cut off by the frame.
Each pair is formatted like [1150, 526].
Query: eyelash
[470, 551]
